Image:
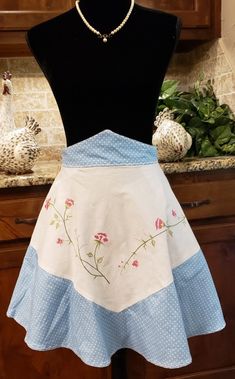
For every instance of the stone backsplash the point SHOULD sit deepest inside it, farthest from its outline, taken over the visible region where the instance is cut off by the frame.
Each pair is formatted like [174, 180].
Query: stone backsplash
[33, 96]
[210, 61]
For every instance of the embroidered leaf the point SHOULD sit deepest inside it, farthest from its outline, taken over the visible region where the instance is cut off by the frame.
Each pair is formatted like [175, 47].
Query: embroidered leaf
[90, 255]
[153, 242]
[144, 244]
[56, 215]
[52, 222]
[57, 225]
[170, 232]
[100, 260]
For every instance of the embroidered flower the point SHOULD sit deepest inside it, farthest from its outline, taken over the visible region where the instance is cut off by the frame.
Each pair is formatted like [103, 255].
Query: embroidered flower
[135, 263]
[69, 203]
[173, 212]
[59, 241]
[159, 223]
[101, 237]
[47, 203]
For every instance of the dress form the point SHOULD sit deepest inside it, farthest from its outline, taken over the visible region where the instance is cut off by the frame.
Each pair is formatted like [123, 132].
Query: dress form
[113, 85]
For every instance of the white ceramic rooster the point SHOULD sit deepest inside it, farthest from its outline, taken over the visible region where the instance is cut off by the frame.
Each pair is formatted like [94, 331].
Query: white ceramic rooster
[7, 122]
[171, 138]
[19, 148]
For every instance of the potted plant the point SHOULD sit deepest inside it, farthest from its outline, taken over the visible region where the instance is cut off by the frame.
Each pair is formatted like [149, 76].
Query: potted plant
[211, 125]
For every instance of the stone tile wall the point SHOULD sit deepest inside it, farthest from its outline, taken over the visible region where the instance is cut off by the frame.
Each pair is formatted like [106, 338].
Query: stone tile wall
[33, 97]
[210, 61]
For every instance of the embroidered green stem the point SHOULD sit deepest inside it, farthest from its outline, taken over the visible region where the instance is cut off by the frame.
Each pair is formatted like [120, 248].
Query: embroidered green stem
[152, 238]
[77, 251]
[89, 264]
[64, 221]
[95, 252]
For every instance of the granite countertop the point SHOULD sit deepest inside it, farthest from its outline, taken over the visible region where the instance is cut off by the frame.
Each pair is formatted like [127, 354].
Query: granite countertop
[199, 164]
[44, 172]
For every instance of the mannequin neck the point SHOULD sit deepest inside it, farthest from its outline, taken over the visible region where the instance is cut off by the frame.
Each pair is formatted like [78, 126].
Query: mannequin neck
[104, 15]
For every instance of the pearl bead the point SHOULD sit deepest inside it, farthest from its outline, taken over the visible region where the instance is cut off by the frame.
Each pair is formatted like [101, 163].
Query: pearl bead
[105, 39]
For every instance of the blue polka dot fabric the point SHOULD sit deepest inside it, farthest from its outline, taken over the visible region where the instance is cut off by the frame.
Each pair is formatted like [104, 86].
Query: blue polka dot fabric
[109, 149]
[55, 315]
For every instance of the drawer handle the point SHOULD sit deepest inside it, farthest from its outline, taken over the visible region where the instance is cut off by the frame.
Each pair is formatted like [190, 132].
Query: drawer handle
[195, 204]
[27, 221]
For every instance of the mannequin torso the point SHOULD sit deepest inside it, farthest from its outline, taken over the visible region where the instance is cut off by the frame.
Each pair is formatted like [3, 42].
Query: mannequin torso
[113, 85]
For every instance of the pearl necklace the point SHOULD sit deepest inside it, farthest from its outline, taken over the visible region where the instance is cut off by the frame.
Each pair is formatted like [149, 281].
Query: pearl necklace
[105, 37]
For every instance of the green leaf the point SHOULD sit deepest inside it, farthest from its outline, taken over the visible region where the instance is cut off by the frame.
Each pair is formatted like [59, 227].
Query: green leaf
[207, 149]
[205, 108]
[221, 134]
[177, 103]
[224, 120]
[195, 122]
[170, 232]
[169, 87]
[228, 148]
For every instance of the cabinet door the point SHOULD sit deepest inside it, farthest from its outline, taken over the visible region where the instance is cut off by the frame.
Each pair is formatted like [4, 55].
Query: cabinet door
[22, 14]
[201, 18]
[17, 16]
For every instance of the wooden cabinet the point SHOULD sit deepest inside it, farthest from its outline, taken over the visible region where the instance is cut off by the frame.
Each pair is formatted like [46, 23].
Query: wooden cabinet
[17, 16]
[19, 209]
[208, 199]
[201, 19]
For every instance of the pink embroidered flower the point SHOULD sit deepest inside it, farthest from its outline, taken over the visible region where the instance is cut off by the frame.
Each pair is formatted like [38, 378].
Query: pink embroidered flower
[135, 263]
[159, 223]
[101, 237]
[173, 212]
[69, 203]
[47, 203]
[59, 241]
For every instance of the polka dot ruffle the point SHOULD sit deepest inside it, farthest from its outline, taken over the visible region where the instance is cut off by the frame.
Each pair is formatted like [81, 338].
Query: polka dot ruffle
[55, 315]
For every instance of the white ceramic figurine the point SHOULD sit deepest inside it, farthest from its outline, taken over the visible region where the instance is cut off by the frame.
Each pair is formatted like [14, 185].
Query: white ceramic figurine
[171, 139]
[19, 148]
[7, 122]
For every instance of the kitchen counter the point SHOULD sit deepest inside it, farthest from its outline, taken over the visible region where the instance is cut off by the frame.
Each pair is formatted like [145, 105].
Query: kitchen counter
[199, 164]
[44, 172]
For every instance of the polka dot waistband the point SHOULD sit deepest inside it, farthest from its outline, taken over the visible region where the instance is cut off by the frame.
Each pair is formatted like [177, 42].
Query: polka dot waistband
[109, 149]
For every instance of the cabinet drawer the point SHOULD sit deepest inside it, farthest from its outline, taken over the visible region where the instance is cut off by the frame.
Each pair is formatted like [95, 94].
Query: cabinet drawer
[203, 197]
[18, 217]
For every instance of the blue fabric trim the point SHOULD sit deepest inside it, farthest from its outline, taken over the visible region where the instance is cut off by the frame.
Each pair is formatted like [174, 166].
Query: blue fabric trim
[109, 149]
[55, 315]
